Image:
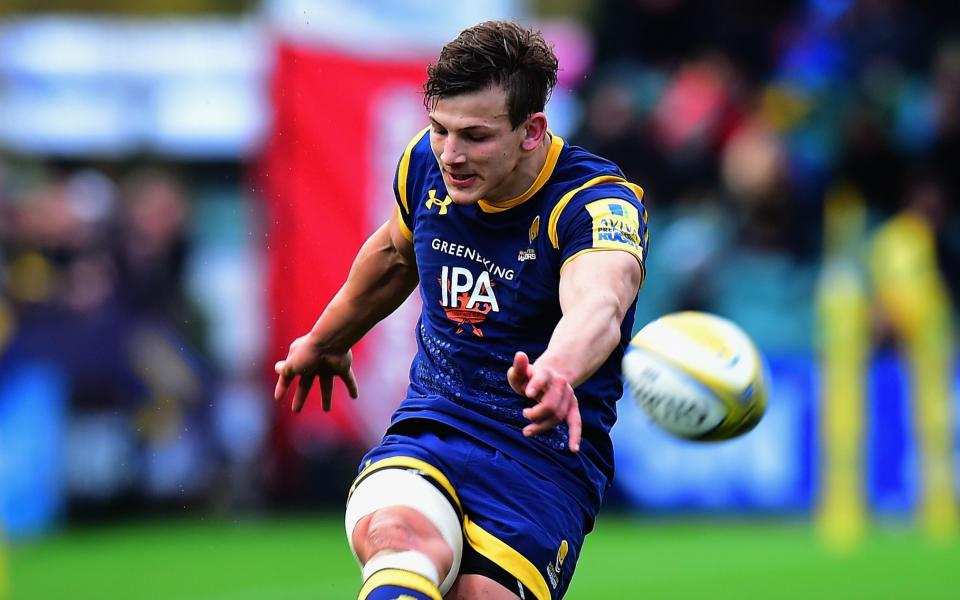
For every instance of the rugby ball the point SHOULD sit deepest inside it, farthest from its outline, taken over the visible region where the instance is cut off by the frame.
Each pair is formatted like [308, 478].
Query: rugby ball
[697, 376]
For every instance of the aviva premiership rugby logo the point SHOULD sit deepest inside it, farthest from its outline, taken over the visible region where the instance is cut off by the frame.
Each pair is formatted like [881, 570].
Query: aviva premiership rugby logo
[616, 224]
[553, 568]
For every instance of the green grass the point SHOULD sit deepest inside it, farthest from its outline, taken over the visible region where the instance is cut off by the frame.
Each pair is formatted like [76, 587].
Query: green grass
[299, 559]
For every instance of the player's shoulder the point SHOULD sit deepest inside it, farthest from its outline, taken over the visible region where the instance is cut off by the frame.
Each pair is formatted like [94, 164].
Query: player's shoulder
[419, 144]
[413, 168]
[578, 162]
[582, 178]
[417, 152]
[581, 173]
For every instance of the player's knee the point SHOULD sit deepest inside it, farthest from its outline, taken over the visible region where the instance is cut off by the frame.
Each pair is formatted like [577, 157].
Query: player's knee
[396, 519]
[388, 529]
[400, 528]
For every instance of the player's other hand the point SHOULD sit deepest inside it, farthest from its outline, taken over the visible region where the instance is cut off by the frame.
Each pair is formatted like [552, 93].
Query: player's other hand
[555, 400]
[308, 361]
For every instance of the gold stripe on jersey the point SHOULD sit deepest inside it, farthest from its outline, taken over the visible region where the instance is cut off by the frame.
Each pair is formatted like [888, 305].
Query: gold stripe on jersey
[399, 578]
[566, 198]
[404, 169]
[408, 462]
[638, 192]
[404, 230]
[553, 154]
[506, 558]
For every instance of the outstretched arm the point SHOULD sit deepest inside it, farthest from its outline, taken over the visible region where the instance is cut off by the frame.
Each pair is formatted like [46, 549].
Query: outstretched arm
[381, 278]
[596, 290]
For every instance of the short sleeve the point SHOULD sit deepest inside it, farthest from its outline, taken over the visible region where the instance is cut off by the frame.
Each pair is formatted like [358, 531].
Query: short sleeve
[402, 185]
[404, 216]
[610, 216]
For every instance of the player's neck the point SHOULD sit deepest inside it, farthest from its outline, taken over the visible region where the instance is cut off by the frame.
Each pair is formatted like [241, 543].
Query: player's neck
[526, 172]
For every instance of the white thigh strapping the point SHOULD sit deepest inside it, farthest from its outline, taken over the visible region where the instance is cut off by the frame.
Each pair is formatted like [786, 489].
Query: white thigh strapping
[403, 487]
[408, 560]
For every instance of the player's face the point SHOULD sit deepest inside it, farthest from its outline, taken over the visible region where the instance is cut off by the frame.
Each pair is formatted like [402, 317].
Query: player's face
[477, 149]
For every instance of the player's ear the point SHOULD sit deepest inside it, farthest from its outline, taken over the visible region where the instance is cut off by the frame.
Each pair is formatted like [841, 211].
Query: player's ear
[534, 128]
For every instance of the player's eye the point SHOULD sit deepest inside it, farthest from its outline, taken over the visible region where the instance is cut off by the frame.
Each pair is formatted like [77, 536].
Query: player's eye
[478, 138]
[439, 130]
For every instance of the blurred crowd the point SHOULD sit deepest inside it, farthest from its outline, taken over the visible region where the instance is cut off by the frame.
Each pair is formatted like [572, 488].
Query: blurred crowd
[139, 286]
[740, 118]
[111, 333]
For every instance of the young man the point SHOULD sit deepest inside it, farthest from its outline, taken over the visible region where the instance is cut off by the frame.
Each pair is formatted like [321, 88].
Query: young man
[495, 465]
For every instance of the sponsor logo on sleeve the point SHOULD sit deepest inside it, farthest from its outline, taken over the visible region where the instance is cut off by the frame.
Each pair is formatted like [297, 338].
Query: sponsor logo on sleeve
[616, 224]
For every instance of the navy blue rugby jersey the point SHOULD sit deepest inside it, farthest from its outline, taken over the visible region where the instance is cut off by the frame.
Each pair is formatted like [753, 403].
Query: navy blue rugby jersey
[489, 281]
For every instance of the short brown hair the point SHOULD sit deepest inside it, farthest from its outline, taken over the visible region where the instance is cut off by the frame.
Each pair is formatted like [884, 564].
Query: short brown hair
[500, 53]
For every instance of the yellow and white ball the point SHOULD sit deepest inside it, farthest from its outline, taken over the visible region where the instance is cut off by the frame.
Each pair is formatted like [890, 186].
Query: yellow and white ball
[697, 376]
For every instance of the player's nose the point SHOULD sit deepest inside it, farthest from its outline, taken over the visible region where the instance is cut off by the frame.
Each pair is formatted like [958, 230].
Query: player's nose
[451, 153]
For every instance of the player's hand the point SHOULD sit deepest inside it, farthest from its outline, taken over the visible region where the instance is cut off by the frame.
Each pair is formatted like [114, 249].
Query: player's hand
[308, 361]
[555, 400]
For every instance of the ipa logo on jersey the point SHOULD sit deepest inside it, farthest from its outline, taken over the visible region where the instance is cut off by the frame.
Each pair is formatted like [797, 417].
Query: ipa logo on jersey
[432, 201]
[466, 299]
[616, 224]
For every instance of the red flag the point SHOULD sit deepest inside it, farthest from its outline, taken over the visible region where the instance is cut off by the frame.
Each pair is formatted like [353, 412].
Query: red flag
[340, 125]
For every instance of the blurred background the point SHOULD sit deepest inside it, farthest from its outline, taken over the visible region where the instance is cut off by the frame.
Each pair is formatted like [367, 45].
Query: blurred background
[184, 184]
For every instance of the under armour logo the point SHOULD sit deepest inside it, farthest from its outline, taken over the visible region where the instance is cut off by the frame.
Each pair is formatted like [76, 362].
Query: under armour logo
[434, 201]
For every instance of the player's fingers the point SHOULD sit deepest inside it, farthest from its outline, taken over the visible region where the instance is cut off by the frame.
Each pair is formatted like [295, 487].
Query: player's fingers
[549, 410]
[539, 384]
[517, 374]
[513, 381]
[521, 361]
[542, 412]
[516, 381]
[538, 428]
[300, 394]
[350, 379]
[283, 383]
[326, 392]
[575, 426]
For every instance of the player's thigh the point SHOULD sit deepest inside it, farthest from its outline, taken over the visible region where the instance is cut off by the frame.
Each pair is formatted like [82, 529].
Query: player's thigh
[478, 587]
[522, 530]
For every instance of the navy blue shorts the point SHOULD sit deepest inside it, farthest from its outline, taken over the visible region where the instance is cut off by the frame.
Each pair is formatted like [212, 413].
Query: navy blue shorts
[521, 529]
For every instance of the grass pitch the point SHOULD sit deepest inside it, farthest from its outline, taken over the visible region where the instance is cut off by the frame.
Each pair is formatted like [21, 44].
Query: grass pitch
[623, 558]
